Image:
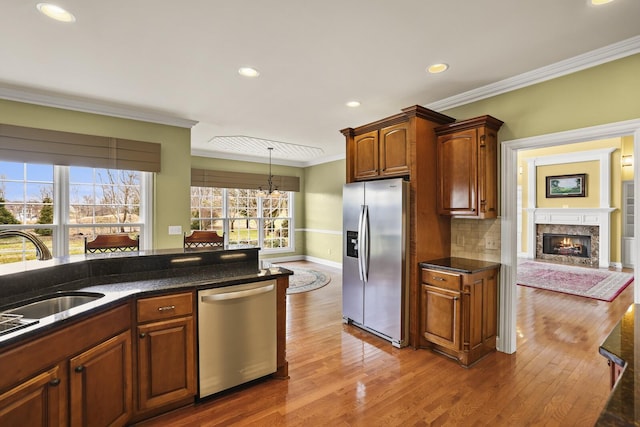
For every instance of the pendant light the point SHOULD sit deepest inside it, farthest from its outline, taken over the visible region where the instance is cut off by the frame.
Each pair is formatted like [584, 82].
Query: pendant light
[272, 190]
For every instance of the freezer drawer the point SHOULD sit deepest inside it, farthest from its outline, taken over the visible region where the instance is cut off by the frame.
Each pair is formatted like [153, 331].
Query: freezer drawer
[236, 335]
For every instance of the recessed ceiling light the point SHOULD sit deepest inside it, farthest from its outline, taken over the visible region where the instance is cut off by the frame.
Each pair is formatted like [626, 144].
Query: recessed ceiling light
[600, 2]
[353, 104]
[248, 72]
[55, 12]
[437, 68]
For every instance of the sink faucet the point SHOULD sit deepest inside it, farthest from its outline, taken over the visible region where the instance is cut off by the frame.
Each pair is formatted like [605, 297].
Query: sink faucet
[42, 252]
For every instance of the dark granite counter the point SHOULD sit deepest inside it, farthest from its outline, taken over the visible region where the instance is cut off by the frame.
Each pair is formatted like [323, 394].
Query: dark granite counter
[460, 265]
[120, 276]
[619, 347]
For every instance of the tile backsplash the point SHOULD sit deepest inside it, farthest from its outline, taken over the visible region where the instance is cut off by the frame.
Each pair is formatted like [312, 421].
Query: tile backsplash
[476, 239]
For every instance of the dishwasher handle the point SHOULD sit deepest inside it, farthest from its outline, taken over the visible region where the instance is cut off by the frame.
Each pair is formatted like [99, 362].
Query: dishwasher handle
[236, 294]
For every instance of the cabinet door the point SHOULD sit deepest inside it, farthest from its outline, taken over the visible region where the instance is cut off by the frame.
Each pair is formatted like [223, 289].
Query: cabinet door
[487, 173]
[366, 155]
[100, 380]
[441, 316]
[394, 150]
[457, 173]
[166, 362]
[38, 401]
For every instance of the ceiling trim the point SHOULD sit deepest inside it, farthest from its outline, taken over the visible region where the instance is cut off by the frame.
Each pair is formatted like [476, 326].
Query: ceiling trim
[31, 96]
[256, 159]
[587, 60]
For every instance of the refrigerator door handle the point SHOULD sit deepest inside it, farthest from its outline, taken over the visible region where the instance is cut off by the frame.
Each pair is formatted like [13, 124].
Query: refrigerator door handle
[359, 243]
[365, 244]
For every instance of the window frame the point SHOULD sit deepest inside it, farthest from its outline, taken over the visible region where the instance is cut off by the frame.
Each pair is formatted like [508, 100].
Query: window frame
[61, 208]
[226, 219]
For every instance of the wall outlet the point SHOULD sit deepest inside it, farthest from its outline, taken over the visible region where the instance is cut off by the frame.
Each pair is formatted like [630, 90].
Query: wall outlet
[491, 243]
[175, 229]
[329, 251]
[460, 240]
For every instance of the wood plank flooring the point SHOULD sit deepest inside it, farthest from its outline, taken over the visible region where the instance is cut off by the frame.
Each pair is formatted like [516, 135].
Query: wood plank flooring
[342, 376]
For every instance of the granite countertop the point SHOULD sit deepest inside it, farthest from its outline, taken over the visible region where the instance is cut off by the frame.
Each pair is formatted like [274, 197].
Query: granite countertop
[122, 277]
[460, 265]
[619, 348]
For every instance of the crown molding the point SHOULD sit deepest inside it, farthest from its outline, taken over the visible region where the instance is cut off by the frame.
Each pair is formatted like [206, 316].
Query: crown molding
[577, 63]
[45, 99]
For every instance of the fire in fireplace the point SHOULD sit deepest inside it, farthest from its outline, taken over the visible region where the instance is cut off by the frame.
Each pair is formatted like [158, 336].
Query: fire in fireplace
[566, 244]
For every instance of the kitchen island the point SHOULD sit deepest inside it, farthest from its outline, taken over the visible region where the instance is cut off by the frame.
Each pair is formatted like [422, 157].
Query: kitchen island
[137, 342]
[619, 349]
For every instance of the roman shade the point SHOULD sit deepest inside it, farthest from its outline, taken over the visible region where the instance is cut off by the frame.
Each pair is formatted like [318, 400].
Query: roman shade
[31, 145]
[250, 181]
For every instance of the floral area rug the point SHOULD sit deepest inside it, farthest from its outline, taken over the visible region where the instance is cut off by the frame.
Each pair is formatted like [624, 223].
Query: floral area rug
[305, 280]
[586, 282]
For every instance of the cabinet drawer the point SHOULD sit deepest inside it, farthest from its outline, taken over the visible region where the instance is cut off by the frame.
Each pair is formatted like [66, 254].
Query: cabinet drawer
[164, 307]
[441, 279]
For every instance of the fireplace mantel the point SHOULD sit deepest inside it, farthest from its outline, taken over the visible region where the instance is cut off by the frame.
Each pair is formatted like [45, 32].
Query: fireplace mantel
[600, 217]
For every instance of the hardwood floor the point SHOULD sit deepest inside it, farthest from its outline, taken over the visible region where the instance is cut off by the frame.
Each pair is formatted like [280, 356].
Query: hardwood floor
[342, 376]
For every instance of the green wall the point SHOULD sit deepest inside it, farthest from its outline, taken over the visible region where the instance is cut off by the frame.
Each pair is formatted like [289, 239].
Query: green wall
[171, 185]
[323, 210]
[603, 94]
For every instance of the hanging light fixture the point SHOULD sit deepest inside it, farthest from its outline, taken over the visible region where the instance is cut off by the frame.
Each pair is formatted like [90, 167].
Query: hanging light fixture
[272, 189]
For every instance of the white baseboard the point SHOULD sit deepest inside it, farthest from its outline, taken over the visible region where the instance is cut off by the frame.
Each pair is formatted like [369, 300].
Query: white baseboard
[293, 258]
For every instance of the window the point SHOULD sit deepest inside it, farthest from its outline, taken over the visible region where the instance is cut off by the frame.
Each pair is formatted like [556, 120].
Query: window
[65, 204]
[244, 217]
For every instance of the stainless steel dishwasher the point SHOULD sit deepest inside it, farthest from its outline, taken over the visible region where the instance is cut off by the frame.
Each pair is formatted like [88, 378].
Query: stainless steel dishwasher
[236, 335]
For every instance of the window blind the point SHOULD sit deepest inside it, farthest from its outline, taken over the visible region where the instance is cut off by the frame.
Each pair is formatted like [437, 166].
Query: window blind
[31, 145]
[223, 179]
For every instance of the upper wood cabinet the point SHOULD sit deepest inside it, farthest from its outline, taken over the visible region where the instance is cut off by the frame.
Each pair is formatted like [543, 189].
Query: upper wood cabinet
[381, 153]
[467, 168]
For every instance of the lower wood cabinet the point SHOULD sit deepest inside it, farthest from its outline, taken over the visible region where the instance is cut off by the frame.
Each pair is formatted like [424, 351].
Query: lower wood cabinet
[38, 401]
[101, 384]
[458, 313]
[166, 368]
[78, 375]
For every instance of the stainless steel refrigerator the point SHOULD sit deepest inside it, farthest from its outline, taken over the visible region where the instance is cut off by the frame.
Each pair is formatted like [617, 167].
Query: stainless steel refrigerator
[374, 267]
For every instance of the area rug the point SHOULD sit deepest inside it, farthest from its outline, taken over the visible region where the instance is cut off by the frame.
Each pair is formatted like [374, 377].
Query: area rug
[305, 280]
[603, 285]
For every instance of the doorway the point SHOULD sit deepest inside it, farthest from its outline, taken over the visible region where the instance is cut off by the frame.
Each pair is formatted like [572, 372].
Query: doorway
[508, 187]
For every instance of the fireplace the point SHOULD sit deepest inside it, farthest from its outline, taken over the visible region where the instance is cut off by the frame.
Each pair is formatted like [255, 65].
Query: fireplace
[566, 244]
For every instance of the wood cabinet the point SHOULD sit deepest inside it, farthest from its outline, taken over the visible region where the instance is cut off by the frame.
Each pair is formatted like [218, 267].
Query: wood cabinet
[166, 368]
[405, 145]
[78, 374]
[37, 401]
[381, 153]
[467, 168]
[459, 313]
[101, 384]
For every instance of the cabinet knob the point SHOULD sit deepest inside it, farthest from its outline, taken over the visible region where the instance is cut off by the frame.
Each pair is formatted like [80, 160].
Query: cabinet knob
[166, 308]
[440, 279]
[142, 335]
[79, 368]
[54, 382]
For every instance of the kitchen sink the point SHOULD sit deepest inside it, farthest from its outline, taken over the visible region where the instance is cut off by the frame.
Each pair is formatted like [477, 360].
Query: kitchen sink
[52, 304]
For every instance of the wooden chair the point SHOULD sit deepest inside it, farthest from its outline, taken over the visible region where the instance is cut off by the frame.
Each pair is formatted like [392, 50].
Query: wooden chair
[112, 243]
[204, 239]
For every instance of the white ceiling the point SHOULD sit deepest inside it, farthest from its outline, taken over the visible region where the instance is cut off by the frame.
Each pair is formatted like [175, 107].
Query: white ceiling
[176, 62]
